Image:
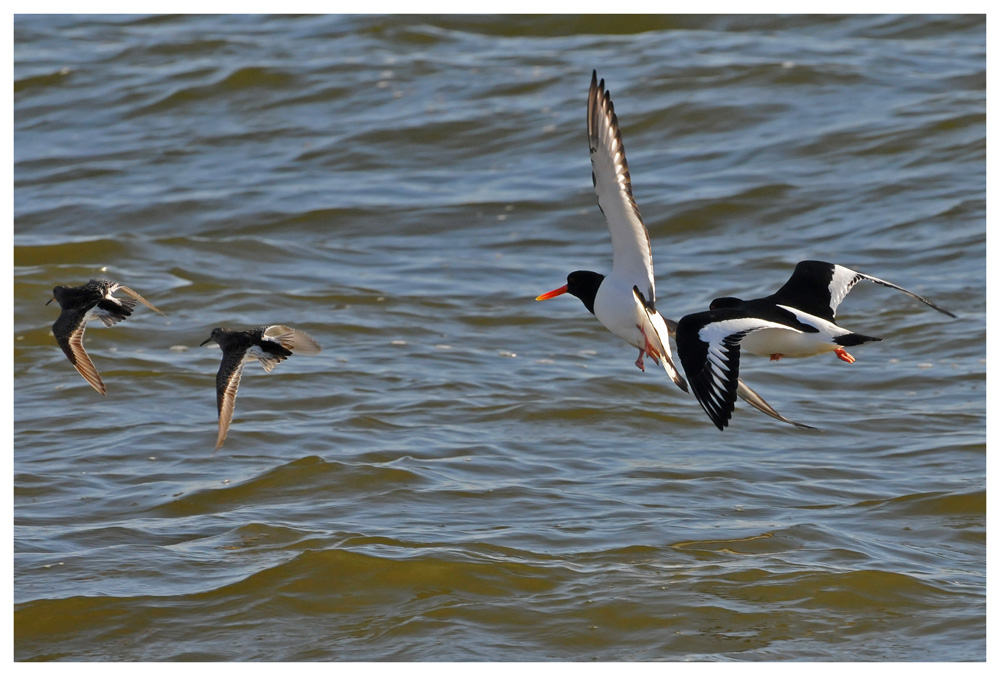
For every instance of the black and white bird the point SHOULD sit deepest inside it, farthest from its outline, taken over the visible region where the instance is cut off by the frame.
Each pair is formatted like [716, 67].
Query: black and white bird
[620, 300]
[624, 301]
[270, 345]
[81, 304]
[798, 320]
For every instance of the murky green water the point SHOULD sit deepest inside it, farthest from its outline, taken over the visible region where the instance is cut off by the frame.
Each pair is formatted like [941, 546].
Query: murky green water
[464, 473]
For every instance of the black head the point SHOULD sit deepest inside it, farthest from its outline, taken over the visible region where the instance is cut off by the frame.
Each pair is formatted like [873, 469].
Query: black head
[584, 285]
[217, 335]
[724, 302]
[57, 294]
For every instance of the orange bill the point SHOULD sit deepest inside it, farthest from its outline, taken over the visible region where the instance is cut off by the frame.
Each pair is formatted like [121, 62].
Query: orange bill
[554, 292]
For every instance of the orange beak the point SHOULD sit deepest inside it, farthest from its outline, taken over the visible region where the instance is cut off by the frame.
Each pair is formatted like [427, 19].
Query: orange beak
[554, 292]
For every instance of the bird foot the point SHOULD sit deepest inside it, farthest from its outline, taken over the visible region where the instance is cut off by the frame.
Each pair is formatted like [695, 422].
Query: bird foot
[776, 357]
[653, 353]
[638, 362]
[842, 354]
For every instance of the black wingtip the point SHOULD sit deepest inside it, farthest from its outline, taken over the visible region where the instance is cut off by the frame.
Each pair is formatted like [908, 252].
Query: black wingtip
[720, 418]
[945, 312]
[719, 412]
[681, 383]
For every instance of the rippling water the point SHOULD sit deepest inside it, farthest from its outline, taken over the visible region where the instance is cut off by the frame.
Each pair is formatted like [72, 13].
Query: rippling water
[463, 473]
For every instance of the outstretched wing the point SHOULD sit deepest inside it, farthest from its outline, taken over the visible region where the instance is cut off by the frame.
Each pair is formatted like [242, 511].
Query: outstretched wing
[292, 339]
[708, 344]
[68, 330]
[747, 394]
[899, 288]
[130, 292]
[633, 259]
[819, 288]
[227, 382]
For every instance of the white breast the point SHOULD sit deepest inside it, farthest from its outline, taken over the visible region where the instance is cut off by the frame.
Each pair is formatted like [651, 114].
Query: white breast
[616, 307]
[766, 342]
[791, 344]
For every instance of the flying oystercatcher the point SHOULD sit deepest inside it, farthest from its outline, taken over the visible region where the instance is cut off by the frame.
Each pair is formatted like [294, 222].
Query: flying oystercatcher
[624, 301]
[798, 320]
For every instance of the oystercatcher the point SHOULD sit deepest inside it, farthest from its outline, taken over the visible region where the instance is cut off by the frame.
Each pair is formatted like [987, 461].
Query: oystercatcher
[623, 301]
[798, 320]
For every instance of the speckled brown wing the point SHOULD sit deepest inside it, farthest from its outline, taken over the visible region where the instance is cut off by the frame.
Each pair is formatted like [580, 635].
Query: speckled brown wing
[130, 292]
[68, 330]
[291, 339]
[227, 382]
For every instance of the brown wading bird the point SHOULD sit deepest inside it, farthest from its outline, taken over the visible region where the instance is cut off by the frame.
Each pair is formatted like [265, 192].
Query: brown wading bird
[81, 304]
[270, 345]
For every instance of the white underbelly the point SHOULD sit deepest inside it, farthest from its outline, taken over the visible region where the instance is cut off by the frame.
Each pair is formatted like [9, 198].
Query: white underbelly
[621, 314]
[766, 342]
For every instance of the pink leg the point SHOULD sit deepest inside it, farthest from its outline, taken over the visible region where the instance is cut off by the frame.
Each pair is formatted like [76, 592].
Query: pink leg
[842, 354]
[638, 362]
[650, 350]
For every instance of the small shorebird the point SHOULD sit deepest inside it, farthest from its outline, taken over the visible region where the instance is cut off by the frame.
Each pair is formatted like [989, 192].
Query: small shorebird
[81, 304]
[798, 320]
[269, 344]
[624, 301]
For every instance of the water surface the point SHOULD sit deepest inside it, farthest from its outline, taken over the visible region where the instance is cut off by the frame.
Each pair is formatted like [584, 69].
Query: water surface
[464, 473]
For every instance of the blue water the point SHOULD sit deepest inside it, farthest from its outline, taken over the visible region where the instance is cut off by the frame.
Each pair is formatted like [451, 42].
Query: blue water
[464, 473]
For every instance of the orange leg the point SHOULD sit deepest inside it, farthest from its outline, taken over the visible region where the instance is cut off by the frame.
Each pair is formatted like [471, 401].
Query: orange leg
[776, 357]
[842, 354]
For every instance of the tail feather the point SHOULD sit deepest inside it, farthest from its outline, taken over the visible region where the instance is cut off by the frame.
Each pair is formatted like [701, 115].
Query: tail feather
[851, 339]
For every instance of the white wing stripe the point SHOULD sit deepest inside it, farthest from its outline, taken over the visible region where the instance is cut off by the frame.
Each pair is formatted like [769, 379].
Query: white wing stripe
[842, 282]
[826, 328]
[715, 332]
